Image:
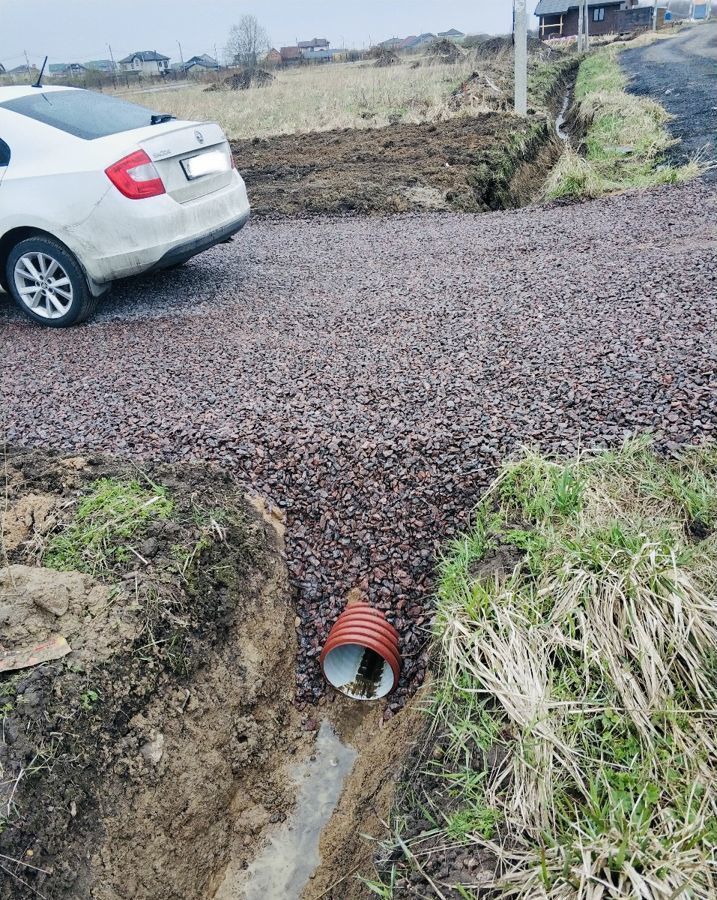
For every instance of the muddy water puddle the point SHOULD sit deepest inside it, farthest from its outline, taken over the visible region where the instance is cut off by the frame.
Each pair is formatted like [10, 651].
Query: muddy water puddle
[285, 865]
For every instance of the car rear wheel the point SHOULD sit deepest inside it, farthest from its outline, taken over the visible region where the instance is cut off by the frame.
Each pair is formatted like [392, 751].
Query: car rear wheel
[47, 283]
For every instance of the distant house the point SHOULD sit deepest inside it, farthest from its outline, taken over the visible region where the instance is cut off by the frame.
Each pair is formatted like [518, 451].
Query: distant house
[314, 44]
[290, 56]
[559, 18]
[422, 40]
[60, 69]
[2, 69]
[202, 63]
[320, 55]
[101, 65]
[452, 34]
[273, 57]
[148, 62]
[22, 70]
[391, 44]
[407, 42]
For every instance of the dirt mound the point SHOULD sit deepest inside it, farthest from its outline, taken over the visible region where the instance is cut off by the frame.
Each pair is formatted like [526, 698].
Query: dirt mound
[464, 163]
[444, 51]
[243, 80]
[483, 91]
[503, 44]
[386, 58]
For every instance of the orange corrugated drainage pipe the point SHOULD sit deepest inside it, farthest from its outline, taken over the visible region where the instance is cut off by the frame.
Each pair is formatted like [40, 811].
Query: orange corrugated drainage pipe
[361, 657]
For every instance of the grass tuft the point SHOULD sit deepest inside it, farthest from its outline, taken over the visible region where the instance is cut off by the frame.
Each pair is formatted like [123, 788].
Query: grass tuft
[107, 521]
[576, 704]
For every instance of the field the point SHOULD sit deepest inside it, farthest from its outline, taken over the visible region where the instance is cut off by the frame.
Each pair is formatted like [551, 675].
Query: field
[319, 98]
[352, 95]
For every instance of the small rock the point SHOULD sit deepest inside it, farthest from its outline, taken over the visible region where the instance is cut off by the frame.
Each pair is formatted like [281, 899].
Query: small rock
[153, 750]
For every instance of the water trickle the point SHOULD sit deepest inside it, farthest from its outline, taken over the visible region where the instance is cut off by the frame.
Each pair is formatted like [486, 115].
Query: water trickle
[560, 119]
[285, 865]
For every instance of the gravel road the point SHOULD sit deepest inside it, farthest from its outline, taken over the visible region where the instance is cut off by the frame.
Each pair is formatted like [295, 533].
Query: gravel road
[369, 375]
[681, 75]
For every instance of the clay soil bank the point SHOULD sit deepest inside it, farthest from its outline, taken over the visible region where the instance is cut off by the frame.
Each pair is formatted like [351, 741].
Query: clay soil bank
[155, 759]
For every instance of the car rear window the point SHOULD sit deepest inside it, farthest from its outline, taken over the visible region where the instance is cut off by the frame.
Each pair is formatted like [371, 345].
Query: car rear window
[85, 114]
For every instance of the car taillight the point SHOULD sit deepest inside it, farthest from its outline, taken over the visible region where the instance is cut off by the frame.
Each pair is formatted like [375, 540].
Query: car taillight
[135, 176]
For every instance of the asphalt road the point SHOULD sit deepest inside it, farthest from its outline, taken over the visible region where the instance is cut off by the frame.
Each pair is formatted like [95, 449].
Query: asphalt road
[369, 374]
[680, 73]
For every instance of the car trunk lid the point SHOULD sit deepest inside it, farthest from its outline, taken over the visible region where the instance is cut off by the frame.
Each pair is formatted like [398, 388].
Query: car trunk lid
[192, 159]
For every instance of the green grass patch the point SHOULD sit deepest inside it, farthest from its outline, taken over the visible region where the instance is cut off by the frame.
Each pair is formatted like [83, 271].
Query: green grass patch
[626, 137]
[106, 524]
[575, 709]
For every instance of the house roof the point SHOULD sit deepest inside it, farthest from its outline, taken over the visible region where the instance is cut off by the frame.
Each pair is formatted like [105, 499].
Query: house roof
[316, 42]
[290, 53]
[407, 42]
[556, 7]
[19, 70]
[100, 64]
[453, 32]
[145, 56]
[204, 59]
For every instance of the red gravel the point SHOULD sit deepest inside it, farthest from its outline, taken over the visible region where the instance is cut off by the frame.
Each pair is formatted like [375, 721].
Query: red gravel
[369, 375]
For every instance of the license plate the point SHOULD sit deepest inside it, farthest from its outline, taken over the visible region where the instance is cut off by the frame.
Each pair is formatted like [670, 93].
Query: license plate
[205, 164]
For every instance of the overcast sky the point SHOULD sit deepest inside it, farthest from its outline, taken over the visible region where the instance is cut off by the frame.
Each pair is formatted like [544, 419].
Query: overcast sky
[78, 30]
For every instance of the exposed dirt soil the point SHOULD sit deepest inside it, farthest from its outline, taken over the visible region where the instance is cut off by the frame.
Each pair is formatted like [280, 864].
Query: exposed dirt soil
[369, 794]
[156, 759]
[131, 766]
[461, 164]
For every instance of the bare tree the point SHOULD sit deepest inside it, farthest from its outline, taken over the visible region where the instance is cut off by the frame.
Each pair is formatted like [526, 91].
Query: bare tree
[248, 41]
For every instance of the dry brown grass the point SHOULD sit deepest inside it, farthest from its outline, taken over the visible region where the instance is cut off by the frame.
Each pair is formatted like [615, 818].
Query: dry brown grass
[319, 98]
[590, 669]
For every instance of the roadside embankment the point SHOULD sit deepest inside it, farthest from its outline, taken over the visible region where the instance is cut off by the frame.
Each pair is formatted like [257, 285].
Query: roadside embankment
[573, 713]
[621, 140]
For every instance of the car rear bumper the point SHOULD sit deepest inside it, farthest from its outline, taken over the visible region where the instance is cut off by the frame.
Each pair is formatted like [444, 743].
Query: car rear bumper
[125, 237]
[182, 252]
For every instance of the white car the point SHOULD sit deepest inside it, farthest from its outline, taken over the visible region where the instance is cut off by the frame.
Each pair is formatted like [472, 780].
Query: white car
[93, 189]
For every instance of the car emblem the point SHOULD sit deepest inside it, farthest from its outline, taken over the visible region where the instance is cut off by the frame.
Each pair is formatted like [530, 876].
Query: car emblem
[199, 136]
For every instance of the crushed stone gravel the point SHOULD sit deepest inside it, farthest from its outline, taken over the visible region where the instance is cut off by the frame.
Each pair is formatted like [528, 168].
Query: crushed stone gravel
[369, 374]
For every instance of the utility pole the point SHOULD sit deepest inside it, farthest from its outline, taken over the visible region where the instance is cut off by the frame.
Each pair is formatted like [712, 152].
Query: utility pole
[114, 67]
[520, 42]
[586, 19]
[654, 16]
[581, 27]
[181, 57]
[27, 62]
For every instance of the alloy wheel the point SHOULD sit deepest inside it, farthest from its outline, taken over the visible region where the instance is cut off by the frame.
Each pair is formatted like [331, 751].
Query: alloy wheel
[43, 285]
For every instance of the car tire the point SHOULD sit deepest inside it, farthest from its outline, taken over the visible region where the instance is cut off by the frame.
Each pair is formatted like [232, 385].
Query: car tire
[48, 284]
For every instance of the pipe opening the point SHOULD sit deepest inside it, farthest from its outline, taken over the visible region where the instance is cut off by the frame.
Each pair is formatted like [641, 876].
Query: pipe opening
[358, 672]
